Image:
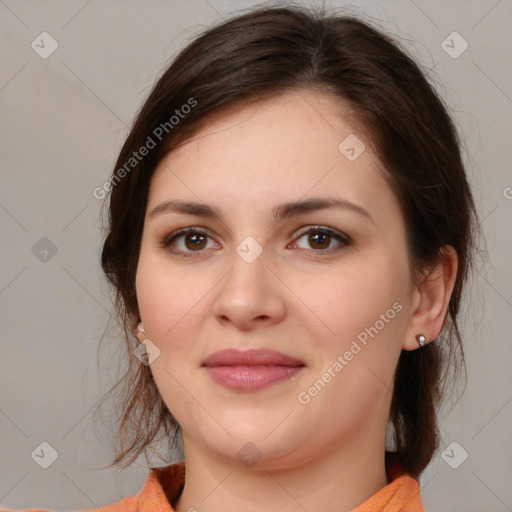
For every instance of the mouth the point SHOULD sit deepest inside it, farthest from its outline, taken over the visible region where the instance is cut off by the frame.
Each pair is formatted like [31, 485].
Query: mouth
[251, 370]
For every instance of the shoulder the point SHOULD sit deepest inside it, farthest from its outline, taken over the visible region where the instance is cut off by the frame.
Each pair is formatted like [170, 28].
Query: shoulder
[128, 504]
[162, 486]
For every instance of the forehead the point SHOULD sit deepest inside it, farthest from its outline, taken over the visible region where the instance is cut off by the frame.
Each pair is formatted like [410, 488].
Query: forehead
[284, 147]
[285, 119]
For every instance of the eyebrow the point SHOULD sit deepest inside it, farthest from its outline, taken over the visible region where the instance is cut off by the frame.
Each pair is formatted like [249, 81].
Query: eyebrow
[280, 212]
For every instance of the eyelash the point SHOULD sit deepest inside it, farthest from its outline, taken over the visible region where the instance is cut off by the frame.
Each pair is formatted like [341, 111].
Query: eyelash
[340, 237]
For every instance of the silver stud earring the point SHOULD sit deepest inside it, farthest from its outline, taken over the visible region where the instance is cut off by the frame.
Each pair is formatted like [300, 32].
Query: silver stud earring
[140, 328]
[421, 340]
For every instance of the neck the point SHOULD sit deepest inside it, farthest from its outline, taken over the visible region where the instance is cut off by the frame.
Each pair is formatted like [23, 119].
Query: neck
[339, 480]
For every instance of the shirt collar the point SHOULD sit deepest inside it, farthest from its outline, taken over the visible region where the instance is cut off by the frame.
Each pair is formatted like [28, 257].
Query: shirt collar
[402, 494]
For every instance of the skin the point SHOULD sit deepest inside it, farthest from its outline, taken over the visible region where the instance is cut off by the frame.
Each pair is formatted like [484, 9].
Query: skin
[306, 298]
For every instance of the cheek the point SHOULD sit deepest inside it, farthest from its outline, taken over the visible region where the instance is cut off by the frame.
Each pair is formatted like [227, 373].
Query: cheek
[167, 308]
[356, 300]
[365, 309]
[169, 304]
[367, 313]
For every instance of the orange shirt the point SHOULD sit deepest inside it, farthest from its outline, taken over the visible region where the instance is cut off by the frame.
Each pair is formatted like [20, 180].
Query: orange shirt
[402, 494]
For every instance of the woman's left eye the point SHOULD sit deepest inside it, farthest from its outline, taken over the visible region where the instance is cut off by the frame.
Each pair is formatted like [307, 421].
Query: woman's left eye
[194, 240]
[323, 236]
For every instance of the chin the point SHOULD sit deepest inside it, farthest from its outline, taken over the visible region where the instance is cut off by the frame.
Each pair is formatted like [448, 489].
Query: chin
[263, 443]
[259, 454]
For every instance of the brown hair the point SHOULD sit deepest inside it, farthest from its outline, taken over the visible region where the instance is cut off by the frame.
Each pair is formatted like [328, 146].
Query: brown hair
[261, 54]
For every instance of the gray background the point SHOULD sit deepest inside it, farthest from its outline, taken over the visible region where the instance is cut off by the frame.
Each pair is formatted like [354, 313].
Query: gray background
[63, 120]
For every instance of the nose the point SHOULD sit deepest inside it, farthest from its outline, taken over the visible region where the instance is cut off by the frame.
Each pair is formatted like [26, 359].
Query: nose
[250, 294]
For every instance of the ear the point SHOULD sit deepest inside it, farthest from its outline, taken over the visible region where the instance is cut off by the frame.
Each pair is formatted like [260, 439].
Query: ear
[430, 299]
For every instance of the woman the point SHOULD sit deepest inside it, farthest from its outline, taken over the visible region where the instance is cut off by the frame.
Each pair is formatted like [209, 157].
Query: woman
[290, 231]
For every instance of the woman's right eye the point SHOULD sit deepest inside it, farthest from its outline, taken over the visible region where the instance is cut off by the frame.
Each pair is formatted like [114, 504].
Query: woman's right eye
[192, 240]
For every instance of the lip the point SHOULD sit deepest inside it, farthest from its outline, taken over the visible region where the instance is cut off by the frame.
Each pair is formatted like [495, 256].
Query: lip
[251, 357]
[251, 370]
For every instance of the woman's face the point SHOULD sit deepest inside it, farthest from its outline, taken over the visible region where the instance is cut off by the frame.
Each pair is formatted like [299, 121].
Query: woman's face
[329, 288]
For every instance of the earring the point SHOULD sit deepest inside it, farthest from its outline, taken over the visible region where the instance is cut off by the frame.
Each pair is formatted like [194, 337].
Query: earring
[140, 328]
[421, 340]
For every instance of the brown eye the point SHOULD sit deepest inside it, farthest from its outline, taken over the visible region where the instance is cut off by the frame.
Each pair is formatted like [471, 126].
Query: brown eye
[186, 241]
[320, 238]
[194, 241]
